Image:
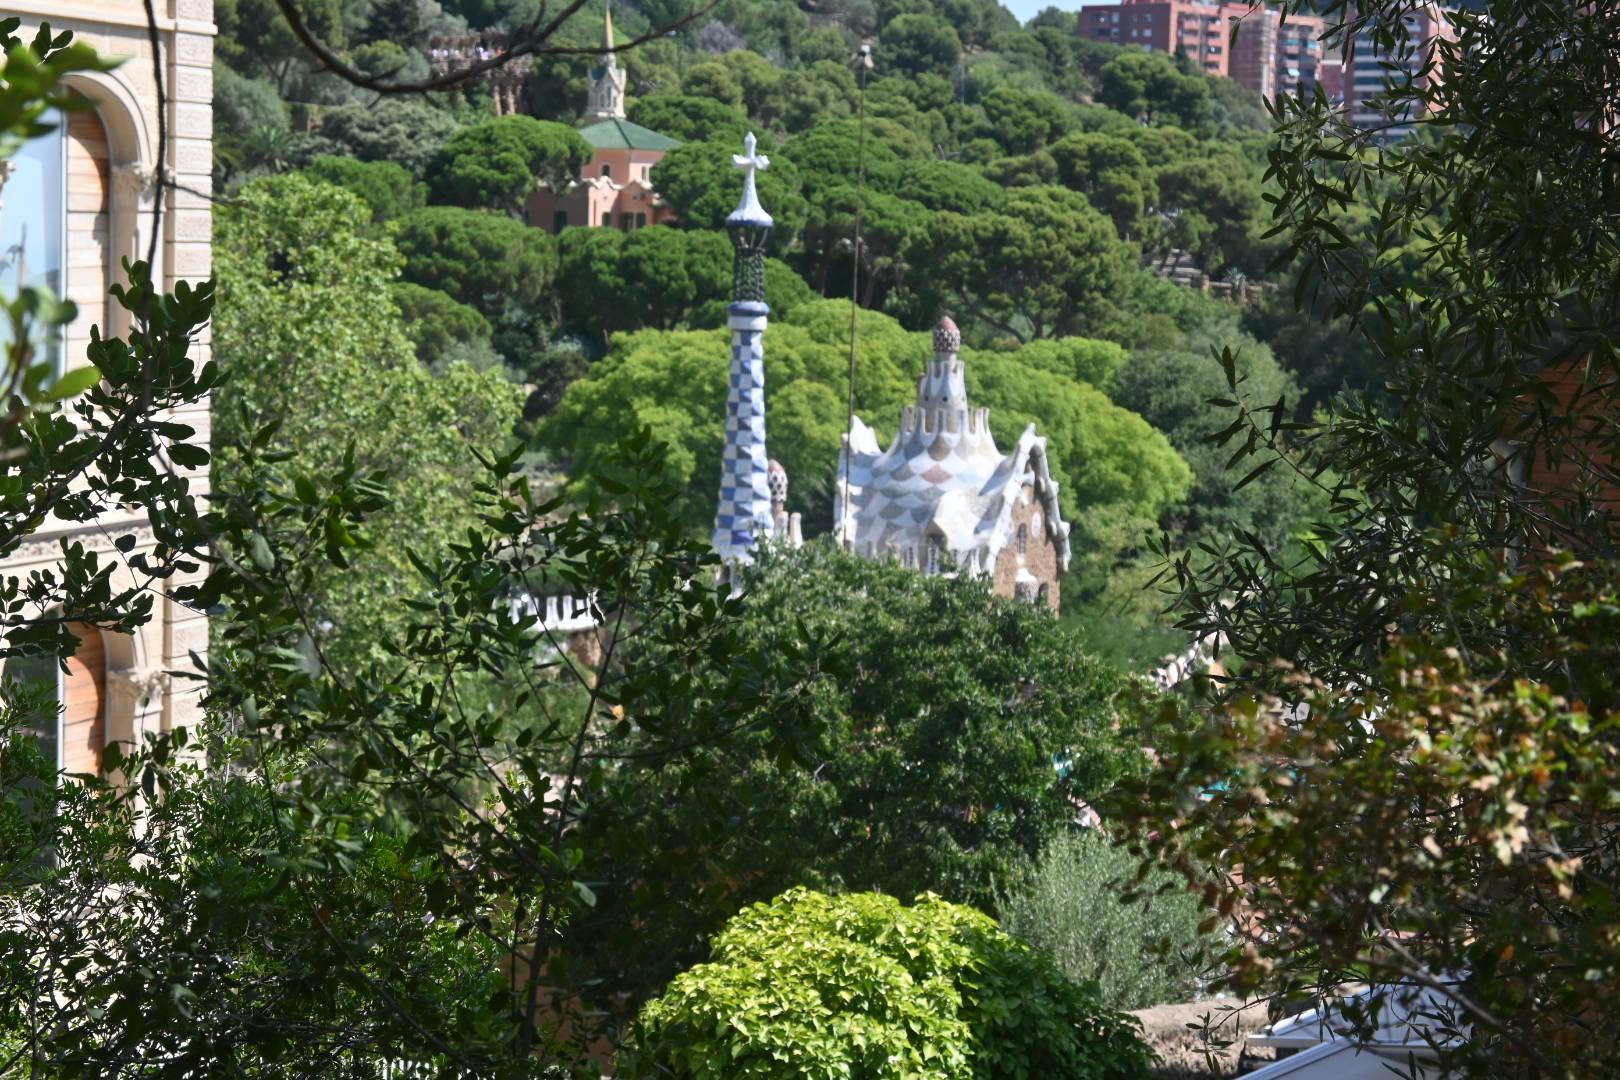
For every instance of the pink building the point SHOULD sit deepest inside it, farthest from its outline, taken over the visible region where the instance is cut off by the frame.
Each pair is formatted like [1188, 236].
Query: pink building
[615, 187]
[1195, 28]
[1246, 42]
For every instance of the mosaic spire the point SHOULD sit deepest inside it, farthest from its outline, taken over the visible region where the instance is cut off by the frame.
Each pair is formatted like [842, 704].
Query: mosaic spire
[744, 519]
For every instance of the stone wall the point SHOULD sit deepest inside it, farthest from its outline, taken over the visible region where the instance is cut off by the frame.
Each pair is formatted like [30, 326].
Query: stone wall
[1039, 556]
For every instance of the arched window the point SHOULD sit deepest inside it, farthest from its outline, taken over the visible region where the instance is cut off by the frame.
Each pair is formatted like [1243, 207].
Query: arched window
[42, 679]
[69, 716]
[88, 229]
[84, 703]
[1023, 539]
[607, 170]
[33, 218]
[55, 202]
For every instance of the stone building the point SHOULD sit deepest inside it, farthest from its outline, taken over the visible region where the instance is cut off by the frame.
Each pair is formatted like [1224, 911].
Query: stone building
[73, 204]
[943, 499]
[615, 187]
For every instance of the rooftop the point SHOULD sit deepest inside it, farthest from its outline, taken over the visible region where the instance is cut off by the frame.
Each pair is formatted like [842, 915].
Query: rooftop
[618, 134]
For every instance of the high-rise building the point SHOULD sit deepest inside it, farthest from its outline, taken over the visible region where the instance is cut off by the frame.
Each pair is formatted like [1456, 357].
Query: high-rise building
[1194, 28]
[1255, 33]
[1246, 42]
[1301, 61]
[1368, 70]
[74, 203]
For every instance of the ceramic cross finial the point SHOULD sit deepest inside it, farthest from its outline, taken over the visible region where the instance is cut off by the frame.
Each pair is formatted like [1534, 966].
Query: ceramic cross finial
[749, 212]
[750, 158]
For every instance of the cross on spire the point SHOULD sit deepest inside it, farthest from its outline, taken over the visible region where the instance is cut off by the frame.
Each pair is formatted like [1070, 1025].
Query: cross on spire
[751, 161]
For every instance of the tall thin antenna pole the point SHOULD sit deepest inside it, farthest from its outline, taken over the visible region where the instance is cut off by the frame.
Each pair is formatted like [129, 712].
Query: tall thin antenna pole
[863, 64]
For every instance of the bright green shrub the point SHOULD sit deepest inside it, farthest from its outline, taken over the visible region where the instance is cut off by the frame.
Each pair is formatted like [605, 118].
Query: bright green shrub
[863, 987]
[1140, 952]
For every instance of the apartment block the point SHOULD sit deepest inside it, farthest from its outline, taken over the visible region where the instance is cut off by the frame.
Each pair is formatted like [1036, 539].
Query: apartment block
[1367, 70]
[1248, 43]
[1196, 29]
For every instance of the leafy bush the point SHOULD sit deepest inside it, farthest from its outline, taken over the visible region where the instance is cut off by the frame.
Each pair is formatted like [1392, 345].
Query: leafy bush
[498, 162]
[385, 186]
[863, 986]
[437, 322]
[938, 713]
[1073, 908]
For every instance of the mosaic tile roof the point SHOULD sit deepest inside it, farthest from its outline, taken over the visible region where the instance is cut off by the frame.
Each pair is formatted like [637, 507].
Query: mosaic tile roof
[942, 481]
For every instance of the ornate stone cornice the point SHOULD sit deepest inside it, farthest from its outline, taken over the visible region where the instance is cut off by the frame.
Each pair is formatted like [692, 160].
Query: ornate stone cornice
[95, 539]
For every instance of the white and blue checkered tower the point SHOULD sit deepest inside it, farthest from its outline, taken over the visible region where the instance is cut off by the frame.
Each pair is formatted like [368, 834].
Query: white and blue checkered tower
[744, 518]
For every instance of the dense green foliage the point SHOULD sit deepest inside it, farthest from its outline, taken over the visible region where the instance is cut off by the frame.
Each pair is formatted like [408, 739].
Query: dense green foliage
[1045, 264]
[1109, 460]
[1415, 755]
[956, 83]
[1078, 909]
[1024, 180]
[485, 260]
[296, 266]
[384, 186]
[442, 328]
[144, 895]
[945, 773]
[862, 985]
[412, 811]
[674, 274]
[498, 162]
[1172, 389]
[407, 132]
[1445, 817]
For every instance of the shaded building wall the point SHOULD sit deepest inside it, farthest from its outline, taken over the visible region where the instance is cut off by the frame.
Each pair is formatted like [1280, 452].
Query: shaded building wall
[117, 687]
[1039, 556]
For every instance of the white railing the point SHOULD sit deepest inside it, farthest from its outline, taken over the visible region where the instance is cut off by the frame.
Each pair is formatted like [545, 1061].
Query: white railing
[559, 614]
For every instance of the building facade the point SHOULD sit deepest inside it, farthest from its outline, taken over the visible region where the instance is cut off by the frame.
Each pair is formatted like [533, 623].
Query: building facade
[944, 500]
[1194, 28]
[1368, 69]
[73, 204]
[1248, 43]
[615, 188]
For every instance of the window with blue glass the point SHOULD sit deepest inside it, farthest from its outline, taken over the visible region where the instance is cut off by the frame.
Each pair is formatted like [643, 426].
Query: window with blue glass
[33, 221]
